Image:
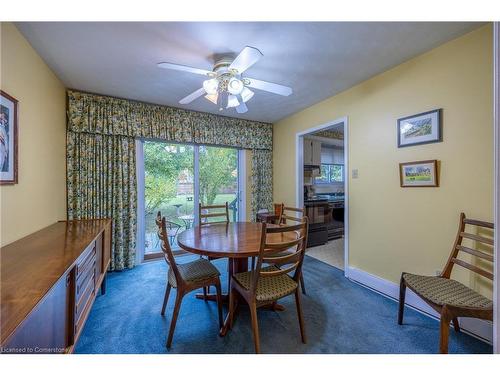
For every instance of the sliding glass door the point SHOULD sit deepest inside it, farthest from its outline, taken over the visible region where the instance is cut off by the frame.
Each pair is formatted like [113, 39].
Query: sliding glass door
[169, 188]
[175, 179]
[218, 178]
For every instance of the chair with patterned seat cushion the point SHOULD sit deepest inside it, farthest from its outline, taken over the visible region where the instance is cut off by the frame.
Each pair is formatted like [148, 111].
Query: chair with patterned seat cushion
[263, 286]
[185, 277]
[449, 297]
[294, 216]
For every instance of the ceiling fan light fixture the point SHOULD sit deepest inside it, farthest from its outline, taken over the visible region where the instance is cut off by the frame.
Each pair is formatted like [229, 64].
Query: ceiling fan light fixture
[232, 101]
[211, 86]
[246, 94]
[235, 86]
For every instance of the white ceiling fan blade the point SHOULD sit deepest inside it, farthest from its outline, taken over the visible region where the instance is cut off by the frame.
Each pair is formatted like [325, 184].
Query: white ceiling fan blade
[270, 87]
[183, 68]
[242, 108]
[247, 57]
[195, 95]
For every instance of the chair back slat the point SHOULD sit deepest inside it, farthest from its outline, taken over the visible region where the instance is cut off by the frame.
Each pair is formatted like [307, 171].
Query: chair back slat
[280, 271]
[291, 213]
[476, 253]
[473, 268]
[284, 228]
[282, 259]
[475, 237]
[289, 252]
[204, 214]
[479, 223]
[459, 247]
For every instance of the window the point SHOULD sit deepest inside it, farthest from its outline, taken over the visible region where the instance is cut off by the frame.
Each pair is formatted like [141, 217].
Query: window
[330, 174]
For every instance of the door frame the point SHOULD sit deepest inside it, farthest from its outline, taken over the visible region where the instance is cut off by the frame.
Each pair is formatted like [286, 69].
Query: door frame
[496, 198]
[299, 172]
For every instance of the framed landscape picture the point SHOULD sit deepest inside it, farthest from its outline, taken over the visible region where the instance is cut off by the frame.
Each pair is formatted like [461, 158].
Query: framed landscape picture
[420, 129]
[419, 174]
[8, 139]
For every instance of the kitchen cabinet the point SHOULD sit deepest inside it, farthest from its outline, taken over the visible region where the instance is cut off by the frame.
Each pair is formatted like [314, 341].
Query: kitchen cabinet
[312, 152]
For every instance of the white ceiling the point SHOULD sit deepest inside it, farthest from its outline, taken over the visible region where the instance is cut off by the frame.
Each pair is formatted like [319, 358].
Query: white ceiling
[317, 60]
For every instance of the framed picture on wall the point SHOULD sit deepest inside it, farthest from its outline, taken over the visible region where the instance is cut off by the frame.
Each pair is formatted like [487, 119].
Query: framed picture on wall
[419, 174]
[8, 139]
[419, 129]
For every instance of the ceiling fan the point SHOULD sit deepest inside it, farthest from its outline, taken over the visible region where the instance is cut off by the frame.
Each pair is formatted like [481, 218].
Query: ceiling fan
[225, 86]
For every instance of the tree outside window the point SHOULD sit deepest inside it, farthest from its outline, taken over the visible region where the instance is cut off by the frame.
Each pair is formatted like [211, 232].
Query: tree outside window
[330, 173]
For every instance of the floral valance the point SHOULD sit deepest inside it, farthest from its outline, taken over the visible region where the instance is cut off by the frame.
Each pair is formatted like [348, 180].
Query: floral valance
[97, 114]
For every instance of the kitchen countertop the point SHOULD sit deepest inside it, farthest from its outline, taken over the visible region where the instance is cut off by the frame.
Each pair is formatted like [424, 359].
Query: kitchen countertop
[325, 198]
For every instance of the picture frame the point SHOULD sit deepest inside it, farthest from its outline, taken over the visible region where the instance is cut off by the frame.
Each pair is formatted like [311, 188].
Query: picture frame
[8, 139]
[419, 129]
[422, 173]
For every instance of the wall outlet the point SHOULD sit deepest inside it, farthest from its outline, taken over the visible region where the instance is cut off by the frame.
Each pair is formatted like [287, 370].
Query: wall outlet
[354, 173]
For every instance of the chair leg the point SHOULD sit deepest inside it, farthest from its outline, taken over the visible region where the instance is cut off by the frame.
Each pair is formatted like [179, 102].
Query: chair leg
[300, 315]
[230, 271]
[232, 296]
[402, 295]
[302, 285]
[165, 299]
[253, 264]
[218, 290]
[205, 291]
[444, 330]
[178, 301]
[456, 326]
[255, 327]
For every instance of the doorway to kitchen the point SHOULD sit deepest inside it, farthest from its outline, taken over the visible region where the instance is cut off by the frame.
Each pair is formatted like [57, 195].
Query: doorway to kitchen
[322, 189]
[175, 178]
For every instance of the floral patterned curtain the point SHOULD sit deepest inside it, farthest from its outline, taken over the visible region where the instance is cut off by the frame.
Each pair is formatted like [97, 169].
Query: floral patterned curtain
[262, 181]
[101, 157]
[101, 178]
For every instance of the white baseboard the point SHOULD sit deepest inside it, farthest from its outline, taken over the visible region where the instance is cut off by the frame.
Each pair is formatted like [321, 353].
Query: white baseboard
[481, 329]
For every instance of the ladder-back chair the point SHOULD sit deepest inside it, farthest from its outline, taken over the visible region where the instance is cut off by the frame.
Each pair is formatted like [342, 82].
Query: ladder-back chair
[214, 211]
[448, 297]
[293, 215]
[265, 285]
[185, 277]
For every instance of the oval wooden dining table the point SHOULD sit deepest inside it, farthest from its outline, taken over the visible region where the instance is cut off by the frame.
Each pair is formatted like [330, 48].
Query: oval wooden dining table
[236, 241]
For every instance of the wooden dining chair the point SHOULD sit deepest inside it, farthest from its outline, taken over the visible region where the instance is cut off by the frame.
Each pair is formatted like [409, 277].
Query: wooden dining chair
[214, 211]
[265, 285]
[450, 298]
[293, 215]
[185, 277]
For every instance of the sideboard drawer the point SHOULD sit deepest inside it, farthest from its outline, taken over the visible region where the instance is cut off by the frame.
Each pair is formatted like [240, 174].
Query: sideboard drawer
[85, 296]
[88, 259]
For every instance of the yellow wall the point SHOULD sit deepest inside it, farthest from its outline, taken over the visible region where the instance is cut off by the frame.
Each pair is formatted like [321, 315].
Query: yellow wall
[39, 199]
[394, 229]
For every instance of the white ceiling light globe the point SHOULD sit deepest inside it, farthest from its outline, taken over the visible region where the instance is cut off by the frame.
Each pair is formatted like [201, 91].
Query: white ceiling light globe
[210, 86]
[235, 86]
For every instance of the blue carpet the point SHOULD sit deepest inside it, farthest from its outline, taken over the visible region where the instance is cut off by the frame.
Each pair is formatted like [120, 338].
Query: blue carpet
[340, 317]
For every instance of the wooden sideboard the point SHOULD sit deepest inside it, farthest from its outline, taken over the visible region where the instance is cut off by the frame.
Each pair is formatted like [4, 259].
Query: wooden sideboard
[48, 283]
